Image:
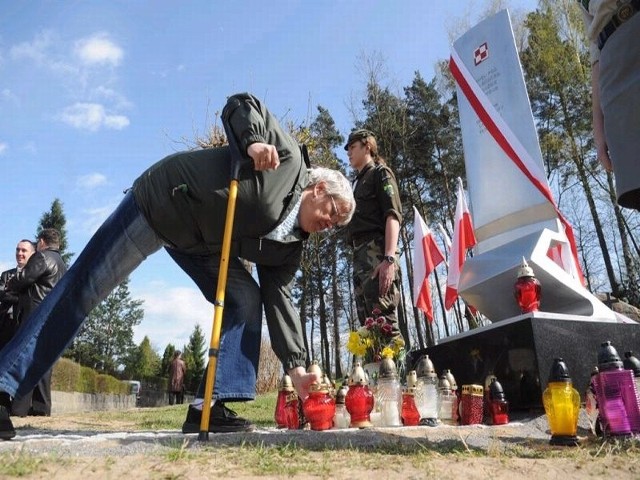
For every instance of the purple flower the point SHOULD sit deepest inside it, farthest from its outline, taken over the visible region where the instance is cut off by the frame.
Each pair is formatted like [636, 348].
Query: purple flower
[387, 329]
[381, 320]
[369, 322]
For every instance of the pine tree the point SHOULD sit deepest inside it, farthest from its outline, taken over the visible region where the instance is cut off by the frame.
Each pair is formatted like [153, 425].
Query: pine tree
[55, 218]
[106, 337]
[194, 356]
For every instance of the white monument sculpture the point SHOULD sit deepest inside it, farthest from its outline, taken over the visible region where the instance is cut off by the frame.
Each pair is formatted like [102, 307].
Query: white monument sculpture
[513, 210]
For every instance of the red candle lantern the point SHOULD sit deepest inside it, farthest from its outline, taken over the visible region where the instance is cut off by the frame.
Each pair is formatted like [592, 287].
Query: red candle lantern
[527, 289]
[319, 407]
[498, 405]
[286, 387]
[291, 408]
[471, 404]
[359, 399]
[409, 414]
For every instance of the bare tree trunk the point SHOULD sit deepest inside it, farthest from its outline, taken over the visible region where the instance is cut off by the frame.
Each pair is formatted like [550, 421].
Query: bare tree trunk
[336, 324]
[631, 285]
[606, 258]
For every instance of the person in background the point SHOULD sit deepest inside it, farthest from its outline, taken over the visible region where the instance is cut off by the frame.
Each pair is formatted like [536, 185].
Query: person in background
[374, 230]
[41, 273]
[613, 28]
[180, 204]
[177, 373]
[9, 299]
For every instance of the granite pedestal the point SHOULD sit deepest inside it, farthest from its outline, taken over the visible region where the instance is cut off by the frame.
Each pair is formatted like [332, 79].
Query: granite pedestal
[519, 351]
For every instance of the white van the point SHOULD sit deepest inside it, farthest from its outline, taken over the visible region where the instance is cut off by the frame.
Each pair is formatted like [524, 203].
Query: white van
[134, 388]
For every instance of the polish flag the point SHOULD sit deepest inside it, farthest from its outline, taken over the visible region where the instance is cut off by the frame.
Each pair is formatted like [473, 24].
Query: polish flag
[426, 257]
[463, 239]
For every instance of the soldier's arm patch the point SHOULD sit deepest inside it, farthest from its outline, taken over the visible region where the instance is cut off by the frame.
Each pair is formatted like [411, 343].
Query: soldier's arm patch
[388, 189]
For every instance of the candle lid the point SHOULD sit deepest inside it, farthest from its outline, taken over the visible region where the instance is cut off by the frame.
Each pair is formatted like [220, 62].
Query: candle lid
[315, 368]
[525, 270]
[318, 387]
[496, 391]
[608, 358]
[559, 371]
[632, 363]
[451, 378]
[425, 367]
[341, 395]
[358, 377]
[286, 385]
[443, 383]
[388, 368]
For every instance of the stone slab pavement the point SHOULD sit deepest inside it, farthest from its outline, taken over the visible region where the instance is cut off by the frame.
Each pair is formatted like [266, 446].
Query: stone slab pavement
[522, 432]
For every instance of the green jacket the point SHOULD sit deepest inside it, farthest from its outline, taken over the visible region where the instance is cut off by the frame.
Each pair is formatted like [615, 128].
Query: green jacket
[184, 198]
[377, 196]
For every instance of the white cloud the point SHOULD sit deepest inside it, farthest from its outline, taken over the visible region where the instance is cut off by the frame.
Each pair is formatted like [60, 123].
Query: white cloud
[171, 314]
[86, 70]
[92, 117]
[117, 99]
[116, 122]
[91, 180]
[98, 50]
[97, 216]
[3, 147]
[35, 50]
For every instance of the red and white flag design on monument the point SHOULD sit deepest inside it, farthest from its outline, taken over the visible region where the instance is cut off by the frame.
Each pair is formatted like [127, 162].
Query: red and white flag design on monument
[463, 239]
[514, 150]
[426, 257]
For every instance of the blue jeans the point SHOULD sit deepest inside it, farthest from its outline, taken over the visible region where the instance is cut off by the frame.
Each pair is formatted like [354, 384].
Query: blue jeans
[240, 337]
[122, 243]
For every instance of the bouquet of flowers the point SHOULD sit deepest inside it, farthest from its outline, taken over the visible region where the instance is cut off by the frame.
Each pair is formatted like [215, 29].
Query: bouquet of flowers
[375, 341]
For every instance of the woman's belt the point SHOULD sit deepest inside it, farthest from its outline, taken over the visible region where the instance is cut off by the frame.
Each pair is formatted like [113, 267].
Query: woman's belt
[624, 13]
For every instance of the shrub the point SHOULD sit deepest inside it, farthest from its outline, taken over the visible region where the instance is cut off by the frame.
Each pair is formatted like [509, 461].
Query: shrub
[87, 382]
[65, 376]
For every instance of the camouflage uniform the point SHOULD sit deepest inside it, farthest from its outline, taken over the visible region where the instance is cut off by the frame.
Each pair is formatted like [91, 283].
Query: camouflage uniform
[377, 196]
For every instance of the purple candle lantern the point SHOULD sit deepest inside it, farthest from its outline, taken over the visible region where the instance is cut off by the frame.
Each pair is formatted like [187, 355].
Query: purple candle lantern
[616, 394]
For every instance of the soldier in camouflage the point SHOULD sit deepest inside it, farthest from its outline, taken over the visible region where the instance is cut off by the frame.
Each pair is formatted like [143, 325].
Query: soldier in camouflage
[374, 230]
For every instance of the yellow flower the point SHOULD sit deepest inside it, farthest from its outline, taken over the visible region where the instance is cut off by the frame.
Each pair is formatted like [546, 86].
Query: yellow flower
[387, 352]
[356, 345]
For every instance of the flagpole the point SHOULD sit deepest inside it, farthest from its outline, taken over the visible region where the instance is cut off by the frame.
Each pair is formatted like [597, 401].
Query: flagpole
[444, 311]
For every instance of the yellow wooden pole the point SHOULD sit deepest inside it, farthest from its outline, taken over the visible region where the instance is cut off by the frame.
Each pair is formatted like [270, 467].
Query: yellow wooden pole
[214, 345]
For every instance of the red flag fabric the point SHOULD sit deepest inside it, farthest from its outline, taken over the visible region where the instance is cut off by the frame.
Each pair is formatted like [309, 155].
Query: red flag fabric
[426, 257]
[463, 239]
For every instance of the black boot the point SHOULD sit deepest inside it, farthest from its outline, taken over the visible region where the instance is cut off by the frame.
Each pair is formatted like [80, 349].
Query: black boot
[221, 420]
[7, 432]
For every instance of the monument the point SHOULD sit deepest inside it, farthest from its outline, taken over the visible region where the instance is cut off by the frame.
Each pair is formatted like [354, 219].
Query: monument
[515, 217]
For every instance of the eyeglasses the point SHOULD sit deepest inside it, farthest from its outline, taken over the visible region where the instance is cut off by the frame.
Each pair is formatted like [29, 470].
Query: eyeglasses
[335, 214]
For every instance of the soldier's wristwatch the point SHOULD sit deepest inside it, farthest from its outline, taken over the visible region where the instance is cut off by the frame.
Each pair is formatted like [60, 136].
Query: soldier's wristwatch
[390, 258]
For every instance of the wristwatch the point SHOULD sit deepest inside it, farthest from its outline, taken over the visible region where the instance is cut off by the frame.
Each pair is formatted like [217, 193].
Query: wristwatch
[390, 258]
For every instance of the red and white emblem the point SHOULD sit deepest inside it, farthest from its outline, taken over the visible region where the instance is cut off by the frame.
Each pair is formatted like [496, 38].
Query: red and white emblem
[480, 54]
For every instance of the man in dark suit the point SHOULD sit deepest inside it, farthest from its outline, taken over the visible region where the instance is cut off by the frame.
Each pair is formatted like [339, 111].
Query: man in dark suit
[38, 277]
[9, 299]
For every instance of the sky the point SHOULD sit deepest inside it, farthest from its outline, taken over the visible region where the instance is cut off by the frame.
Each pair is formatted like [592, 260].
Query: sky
[94, 92]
